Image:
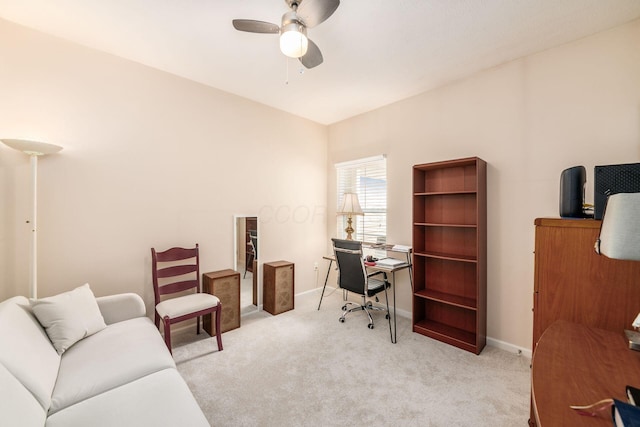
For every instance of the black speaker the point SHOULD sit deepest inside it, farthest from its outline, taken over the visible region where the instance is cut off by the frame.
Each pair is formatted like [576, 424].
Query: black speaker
[572, 182]
[614, 179]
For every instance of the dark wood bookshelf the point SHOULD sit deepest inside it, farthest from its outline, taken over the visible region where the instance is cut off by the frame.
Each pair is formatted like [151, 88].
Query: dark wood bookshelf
[449, 260]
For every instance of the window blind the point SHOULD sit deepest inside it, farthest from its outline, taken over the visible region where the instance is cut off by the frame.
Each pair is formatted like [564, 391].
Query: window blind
[368, 179]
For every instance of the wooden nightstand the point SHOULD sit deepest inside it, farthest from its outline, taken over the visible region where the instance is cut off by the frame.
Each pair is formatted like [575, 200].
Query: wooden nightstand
[224, 284]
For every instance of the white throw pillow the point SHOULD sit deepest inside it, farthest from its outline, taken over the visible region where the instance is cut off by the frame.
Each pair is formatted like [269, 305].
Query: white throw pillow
[69, 317]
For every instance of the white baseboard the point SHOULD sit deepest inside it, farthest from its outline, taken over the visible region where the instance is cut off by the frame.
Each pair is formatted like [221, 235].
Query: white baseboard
[520, 351]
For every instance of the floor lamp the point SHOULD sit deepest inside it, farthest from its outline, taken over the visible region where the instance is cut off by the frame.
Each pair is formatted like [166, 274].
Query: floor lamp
[33, 149]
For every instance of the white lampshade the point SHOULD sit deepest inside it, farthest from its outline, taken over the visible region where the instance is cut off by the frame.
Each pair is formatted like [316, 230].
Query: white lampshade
[350, 205]
[32, 148]
[620, 229]
[293, 40]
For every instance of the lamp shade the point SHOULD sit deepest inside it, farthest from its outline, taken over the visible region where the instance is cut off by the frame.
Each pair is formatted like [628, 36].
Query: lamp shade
[32, 148]
[350, 205]
[620, 229]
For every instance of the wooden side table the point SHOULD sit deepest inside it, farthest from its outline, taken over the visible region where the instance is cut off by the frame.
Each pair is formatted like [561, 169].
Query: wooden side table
[224, 284]
[278, 286]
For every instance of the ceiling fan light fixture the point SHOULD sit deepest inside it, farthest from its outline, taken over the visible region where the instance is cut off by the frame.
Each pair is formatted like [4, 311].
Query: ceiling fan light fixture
[293, 40]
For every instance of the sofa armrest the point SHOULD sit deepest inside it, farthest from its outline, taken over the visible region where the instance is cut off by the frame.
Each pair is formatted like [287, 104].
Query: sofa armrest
[119, 307]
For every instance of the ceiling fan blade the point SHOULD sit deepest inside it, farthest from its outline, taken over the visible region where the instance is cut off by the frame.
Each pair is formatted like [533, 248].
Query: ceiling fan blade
[313, 57]
[314, 12]
[251, 26]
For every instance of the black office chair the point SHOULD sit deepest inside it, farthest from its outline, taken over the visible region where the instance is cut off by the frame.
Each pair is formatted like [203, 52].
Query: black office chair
[353, 277]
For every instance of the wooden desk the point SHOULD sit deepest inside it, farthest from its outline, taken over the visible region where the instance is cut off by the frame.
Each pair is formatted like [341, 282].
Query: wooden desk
[575, 364]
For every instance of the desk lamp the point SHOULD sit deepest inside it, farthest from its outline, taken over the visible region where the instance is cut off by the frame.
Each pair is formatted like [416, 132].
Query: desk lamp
[33, 149]
[350, 206]
[620, 239]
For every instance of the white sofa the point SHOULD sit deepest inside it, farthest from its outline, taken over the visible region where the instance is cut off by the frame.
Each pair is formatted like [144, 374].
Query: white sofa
[122, 375]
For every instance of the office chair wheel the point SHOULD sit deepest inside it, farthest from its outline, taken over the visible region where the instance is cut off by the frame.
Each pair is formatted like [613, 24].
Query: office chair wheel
[344, 308]
[370, 325]
[387, 316]
[341, 320]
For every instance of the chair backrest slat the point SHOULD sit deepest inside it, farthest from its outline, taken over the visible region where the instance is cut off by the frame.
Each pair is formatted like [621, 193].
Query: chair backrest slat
[176, 270]
[174, 287]
[177, 254]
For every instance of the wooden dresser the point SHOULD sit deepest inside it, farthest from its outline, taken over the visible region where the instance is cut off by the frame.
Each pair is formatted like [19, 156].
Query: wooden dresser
[573, 283]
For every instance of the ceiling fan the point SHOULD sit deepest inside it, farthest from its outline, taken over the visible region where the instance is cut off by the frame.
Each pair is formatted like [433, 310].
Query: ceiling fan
[293, 30]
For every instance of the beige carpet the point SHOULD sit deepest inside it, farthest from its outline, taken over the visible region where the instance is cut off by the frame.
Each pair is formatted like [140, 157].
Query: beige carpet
[304, 368]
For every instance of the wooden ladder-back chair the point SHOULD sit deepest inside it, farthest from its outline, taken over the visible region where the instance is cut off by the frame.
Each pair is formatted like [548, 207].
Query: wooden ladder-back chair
[177, 270]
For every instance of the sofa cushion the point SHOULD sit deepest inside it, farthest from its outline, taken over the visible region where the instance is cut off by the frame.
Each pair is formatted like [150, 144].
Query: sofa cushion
[120, 353]
[18, 407]
[69, 317]
[25, 350]
[159, 399]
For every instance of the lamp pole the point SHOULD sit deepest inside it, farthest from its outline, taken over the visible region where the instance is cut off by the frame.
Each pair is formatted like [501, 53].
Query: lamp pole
[33, 149]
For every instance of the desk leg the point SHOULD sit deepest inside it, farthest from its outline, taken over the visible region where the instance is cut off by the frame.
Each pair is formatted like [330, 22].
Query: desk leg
[325, 283]
[411, 277]
[394, 339]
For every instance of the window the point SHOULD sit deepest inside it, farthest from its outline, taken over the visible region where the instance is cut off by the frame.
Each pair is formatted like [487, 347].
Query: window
[368, 179]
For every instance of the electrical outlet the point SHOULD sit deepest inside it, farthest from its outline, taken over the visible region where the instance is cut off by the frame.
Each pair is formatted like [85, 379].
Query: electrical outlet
[315, 266]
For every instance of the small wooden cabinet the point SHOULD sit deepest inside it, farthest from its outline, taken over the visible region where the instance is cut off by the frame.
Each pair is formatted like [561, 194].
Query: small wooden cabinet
[225, 285]
[278, 284]
[450, 252]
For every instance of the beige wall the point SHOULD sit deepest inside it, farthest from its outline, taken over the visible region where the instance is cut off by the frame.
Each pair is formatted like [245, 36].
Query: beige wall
[154, 160]
[578, 104]
[149, 160]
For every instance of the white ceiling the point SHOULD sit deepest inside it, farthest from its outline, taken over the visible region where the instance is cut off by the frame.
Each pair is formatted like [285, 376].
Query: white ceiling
[375, 52]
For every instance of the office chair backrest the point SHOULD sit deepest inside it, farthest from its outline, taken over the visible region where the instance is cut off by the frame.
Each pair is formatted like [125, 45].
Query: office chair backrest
[351, 273]
[182, 271]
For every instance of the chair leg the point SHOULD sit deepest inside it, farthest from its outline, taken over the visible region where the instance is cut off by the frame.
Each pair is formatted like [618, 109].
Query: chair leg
[366, 306]
[218, 314]
[198, 325]
[346, 310]
[246, 265]
[157, 320]
[167, 333]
